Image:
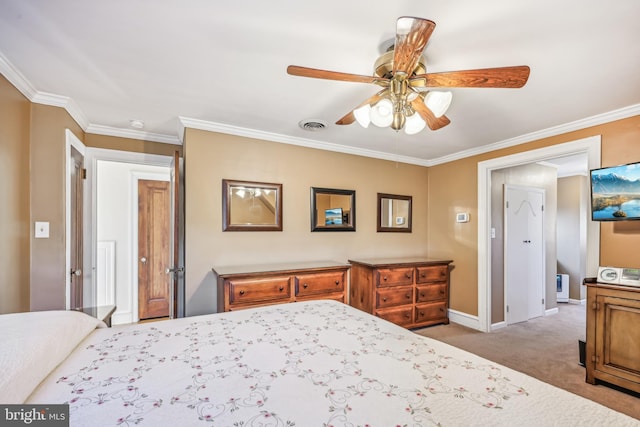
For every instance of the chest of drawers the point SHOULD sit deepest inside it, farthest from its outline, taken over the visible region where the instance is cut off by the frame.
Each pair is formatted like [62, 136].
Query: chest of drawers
[410, 292]
[246, 286]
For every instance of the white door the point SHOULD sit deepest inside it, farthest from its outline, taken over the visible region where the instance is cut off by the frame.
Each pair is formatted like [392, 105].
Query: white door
[524, 253]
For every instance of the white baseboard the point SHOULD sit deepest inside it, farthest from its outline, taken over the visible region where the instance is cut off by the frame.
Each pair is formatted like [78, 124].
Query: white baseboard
[464, 319]
[499, 325]
[578, 301]
[122, 318]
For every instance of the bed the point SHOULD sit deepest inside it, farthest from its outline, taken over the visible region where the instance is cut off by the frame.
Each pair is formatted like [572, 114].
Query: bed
[316, 363]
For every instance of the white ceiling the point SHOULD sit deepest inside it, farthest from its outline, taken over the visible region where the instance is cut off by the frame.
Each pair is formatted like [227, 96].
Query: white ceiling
[222, 66]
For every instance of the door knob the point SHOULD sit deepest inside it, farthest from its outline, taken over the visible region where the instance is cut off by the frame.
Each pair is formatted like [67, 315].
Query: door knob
[143, 260]
[77, 272]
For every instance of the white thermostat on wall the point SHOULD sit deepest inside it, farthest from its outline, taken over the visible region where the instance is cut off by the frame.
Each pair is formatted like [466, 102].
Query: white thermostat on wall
[462, 217]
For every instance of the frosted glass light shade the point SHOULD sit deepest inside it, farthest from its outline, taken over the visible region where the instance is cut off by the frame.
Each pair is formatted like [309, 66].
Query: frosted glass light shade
[363, 115]
[438, 102]
[382, 113]
[414, 124]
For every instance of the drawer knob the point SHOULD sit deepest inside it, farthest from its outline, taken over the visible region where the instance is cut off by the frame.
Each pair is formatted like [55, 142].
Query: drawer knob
[442, 291]
[408, 275]
[384, 299]
[423, 275]
[422, 313]
[408, 296]
[304, 286]
[281, 288]
[337, 282]
[407, 315]
[384, 278]
[422, 295]
[241, 292]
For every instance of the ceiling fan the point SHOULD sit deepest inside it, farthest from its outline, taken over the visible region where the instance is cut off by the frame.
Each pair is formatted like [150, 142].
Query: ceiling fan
[403, 101]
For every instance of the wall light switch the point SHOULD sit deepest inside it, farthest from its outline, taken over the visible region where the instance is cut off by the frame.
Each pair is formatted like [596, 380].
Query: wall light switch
[42, 230]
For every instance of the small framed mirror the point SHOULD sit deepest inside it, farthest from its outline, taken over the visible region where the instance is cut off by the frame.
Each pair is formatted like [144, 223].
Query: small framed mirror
[251, 206]
[333, 210]
[394, 213]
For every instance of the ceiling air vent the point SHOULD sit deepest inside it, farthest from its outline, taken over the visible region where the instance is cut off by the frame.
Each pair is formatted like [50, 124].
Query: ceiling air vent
[312, 125]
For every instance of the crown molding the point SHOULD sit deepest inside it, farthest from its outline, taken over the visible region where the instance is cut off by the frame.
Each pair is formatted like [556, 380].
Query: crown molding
[16, 78]
[64, 102]
[622, 113]
[133, 134]
[186, 122]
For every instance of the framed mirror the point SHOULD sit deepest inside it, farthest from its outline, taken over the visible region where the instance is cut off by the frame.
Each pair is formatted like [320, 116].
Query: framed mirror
[333, 210]
[251, 206]
[394, 213]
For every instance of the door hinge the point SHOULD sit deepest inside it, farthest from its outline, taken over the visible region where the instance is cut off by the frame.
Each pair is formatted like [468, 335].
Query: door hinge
[84, 173]
[507, 309]
[542, 301]
[507, 204]
[542, 208]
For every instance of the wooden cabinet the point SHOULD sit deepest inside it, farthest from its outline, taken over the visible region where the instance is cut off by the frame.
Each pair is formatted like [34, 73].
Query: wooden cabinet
[246, 286]
[613, 335]
[410, 292]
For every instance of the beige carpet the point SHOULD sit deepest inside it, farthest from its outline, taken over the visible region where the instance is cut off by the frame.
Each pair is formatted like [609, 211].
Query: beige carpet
[545, 348]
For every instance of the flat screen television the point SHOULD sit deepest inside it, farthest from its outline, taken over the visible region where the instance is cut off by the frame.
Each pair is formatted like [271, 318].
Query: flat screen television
[615, 193]
[333, 216]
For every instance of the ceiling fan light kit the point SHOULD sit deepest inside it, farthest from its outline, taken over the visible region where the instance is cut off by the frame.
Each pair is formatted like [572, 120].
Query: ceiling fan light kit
[403, 103]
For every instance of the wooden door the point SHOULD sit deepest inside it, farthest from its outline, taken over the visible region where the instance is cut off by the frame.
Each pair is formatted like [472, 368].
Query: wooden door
[76, 173]
[524, 253]
[153, 249]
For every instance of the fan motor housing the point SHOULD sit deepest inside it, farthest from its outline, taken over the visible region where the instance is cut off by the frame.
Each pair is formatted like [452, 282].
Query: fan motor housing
[383, 66]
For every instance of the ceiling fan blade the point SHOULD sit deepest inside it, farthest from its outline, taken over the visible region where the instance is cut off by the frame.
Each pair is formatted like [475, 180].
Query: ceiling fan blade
[503, 77]
[412, 35]
[427, 115]
[349, 118]
[295, 70]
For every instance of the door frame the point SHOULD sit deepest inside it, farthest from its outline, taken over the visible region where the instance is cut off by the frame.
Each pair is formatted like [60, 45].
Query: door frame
[71, 140]
[506, 252]
[591, 146]
[92, 156]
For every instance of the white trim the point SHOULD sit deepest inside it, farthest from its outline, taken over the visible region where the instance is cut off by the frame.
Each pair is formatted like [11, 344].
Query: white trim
[133, 180]
[70, 141]
[186, 122]
[622, 113]
[463, 319]
[133, 134]
[551, 311]
[577, 301]
[589, 145]
[26, 88]
[106, 251]
[499, 325]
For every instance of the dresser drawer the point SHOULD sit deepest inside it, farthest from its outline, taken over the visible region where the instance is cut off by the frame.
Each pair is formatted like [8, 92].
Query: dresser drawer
[394, 276]
[431, 293]
[436, 273]
[402, 316]
[389, 297]
[319, 283]
[431, 311]
[256, 290]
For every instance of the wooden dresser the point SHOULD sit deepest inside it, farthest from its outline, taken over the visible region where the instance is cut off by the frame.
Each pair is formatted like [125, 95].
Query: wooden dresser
[613, 335]
[244, 286]
[410, 292]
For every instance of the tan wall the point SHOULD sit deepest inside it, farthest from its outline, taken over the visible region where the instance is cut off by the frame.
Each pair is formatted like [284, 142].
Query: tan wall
[132, 145]
[48, 145]
[211, 157]
[14, 199]
[453, 187]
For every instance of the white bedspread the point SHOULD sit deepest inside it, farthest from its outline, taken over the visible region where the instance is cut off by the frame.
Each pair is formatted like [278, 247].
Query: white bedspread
[304, 364]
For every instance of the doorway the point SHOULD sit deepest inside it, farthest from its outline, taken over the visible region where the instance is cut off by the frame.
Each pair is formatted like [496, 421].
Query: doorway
[524, 253]
[113, 177]
[589, 146]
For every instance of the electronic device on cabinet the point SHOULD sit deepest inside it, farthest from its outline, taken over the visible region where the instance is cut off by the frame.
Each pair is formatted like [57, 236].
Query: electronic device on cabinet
[619, 276]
